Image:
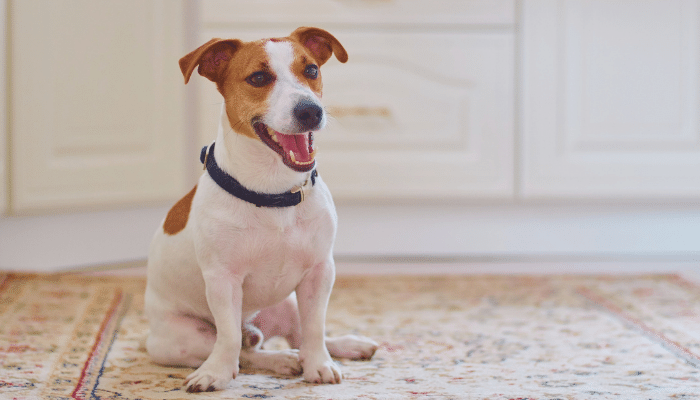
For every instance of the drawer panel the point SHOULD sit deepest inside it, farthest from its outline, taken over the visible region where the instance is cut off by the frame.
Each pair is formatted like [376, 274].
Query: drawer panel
[358, 12]
[413, 115]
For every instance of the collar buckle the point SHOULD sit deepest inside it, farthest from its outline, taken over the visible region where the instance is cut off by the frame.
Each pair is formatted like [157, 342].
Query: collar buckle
[300, 189]
[204, 156]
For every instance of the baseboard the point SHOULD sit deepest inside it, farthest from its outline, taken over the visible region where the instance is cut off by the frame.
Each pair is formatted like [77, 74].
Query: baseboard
[505, 230]
[688, 269]
[76, 241]
[394, 234]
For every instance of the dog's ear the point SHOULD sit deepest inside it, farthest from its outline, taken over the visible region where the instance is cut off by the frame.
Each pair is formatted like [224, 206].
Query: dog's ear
[212, 58]
[321, 44]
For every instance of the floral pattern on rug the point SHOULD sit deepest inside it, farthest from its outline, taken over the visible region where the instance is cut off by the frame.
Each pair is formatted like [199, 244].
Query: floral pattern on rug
[442, 337]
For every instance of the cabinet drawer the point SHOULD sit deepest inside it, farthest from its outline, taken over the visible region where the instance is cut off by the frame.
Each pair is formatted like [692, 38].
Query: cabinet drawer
[413, 115]
[358, 12]
[420, 115]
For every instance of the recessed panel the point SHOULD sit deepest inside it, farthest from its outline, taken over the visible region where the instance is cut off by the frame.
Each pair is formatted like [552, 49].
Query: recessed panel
[103, 87]
[369, 106]
[97, 103]
[610, 99]
[628, 76]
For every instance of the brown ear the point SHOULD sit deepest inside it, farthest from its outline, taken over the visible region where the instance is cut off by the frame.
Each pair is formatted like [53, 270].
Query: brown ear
[321, 44]
[212, 58]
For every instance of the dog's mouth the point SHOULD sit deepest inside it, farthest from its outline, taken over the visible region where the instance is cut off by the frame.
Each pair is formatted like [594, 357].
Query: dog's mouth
[297, 150]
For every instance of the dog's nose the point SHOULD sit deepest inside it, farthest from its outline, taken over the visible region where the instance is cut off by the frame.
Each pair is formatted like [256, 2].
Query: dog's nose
[308, 115]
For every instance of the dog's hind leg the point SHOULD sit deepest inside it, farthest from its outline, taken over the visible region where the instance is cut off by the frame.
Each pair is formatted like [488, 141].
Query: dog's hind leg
[185, 341]
[180, 340]
[282, 362]
[283, 320]
[351, 346]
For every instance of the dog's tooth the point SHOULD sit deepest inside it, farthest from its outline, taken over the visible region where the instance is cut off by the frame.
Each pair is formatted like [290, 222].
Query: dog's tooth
[294, 160]
[274, 137]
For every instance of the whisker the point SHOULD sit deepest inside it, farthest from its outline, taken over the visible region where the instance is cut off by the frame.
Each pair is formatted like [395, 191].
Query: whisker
[330, 118]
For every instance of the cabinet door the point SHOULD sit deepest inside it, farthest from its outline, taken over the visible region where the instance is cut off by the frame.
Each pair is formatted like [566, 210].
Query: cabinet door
[413, 115]
[610, 99]
[96, 103]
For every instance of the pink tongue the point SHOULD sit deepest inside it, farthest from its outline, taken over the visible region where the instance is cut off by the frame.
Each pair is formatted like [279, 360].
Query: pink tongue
[299, 144]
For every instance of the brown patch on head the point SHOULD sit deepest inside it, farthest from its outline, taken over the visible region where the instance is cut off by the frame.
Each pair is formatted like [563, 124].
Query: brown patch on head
[228, 63]
[320, 44]
[303, 60]
[232, 65]
[212, 58]
[244, 101]
[313, 47]
[179, 215]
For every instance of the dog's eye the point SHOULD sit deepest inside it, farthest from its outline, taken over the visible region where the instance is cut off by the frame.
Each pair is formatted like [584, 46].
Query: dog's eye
[260, 78]
[311, 71]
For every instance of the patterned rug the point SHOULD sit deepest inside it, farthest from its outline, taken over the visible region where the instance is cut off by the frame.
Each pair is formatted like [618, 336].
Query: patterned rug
[442, 337]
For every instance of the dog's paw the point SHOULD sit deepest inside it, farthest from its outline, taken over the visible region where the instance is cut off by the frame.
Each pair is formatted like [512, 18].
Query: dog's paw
[324, 370]
[251, 336]
[206, 379]
[352, 347]
[287, 363]
[281, 362]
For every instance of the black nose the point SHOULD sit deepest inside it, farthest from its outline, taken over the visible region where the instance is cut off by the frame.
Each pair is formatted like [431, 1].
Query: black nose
[308, 115]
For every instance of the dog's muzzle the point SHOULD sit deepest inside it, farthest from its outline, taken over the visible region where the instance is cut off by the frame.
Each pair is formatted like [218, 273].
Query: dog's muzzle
[296, 149]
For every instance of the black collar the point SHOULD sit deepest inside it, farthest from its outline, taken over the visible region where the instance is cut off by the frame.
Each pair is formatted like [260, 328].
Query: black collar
[231, 185]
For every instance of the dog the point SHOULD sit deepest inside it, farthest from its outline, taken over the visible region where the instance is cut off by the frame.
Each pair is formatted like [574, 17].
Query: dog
[248, 253]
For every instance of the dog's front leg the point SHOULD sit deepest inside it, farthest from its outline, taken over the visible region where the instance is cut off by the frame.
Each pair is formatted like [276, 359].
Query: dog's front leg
[312, 295]
[225, 298]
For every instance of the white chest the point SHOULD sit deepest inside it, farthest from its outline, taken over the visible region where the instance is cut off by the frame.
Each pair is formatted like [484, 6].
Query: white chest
[277, 253]
[270, 249]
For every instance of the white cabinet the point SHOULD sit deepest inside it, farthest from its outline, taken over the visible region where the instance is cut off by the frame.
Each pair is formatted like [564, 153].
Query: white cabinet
[423, 109]
[611, 99]
[96, 103]
[607, 98]
[561, 100]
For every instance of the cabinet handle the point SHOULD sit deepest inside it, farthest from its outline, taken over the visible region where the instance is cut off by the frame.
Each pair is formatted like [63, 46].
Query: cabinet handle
[342, 112]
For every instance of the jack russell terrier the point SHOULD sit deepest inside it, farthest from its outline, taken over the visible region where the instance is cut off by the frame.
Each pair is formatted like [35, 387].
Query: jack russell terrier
[248, 253]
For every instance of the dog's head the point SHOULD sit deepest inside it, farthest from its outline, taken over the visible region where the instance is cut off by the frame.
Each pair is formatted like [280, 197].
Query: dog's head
[272, 87]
